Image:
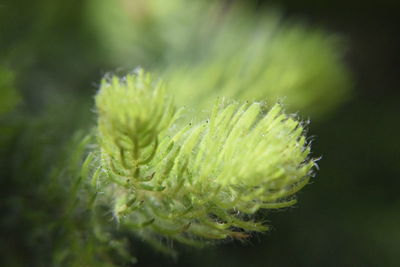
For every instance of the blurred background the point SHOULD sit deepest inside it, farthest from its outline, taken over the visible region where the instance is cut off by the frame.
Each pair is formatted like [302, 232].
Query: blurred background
[333, 63]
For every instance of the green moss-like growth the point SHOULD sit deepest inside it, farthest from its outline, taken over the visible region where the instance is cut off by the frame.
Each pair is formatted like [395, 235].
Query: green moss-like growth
[193, 183]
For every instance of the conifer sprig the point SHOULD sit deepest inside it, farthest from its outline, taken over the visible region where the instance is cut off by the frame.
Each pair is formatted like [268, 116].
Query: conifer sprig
[194, 183]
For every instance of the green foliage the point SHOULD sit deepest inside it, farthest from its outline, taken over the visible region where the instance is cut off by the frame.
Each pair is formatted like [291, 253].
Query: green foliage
[47, 204]
[213, 49]
[265, 61]
[53, 216]
[195, 175]
[9, 95]
[191, 182]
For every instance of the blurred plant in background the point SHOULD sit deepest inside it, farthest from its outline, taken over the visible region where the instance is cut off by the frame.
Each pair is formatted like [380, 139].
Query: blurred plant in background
[9, 95]
[218, 49]
[203, 51]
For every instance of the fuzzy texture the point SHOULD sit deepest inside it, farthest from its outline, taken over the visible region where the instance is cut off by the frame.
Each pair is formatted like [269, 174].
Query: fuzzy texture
[194, 183]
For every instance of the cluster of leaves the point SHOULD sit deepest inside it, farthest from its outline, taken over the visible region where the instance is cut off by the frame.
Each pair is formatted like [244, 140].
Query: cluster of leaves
[162, 172]
[193, 182]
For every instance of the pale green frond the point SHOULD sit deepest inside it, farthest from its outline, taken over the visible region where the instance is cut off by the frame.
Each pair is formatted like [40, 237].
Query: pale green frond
[196, 182]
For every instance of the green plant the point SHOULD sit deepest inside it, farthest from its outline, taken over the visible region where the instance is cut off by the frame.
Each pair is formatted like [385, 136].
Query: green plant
[152, 168]
[214, 49]
[192, 182]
